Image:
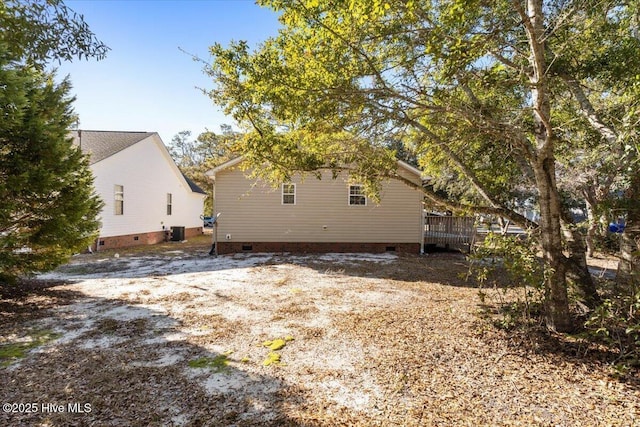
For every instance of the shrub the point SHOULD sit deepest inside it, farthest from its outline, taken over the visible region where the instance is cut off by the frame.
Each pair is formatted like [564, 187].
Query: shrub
[509, 265]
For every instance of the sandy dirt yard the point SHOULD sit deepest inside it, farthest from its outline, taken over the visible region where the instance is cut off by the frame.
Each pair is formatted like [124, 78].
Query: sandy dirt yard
[174, 337]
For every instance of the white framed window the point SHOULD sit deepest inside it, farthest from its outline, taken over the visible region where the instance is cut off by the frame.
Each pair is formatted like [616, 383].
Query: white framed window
[169, 204]
[356, 195]
[118, 199]
[288, 194]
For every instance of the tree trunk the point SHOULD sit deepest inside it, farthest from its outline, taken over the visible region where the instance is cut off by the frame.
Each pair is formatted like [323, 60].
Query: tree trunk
[592, 227]
[557, 314]
[543, 163]
[628, 277]
[593, 198]
[577, 268]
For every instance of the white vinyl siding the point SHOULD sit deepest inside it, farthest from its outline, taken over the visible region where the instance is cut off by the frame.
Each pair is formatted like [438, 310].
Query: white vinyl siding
[146, 185]
[288, 194]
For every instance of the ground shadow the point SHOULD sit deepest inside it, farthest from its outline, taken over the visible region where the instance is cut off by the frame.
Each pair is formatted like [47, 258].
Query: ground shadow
[577, 349]
[112, 363]
[157, 264]
[446, 268]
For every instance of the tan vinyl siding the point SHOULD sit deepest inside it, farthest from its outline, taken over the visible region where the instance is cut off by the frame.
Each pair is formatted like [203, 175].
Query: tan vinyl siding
[254, 212]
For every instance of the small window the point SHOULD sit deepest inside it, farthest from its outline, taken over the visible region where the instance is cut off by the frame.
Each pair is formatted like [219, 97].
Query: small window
[356, 196]
[118, 197]
[168, 203]
[288, 194]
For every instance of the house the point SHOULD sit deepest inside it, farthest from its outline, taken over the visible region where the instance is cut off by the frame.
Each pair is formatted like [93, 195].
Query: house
[315, 215]
[144, 193]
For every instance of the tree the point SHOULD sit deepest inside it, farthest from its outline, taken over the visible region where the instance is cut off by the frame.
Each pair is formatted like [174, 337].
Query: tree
[603, 82]
[182, 149]
[196, 157]
[41, 31]
[49, 209]
[628, 277]
[472, 85]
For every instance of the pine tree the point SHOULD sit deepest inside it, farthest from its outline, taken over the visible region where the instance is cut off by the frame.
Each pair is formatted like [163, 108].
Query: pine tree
[48, 208]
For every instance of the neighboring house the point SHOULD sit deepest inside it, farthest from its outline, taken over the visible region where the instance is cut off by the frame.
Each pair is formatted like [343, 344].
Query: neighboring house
[312, 215]
[144, 193]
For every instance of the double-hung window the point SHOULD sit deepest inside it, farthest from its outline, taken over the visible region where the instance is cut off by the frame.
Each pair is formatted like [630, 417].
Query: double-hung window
[169, 205]
[118, 199]
[356, 196]
[288, 194]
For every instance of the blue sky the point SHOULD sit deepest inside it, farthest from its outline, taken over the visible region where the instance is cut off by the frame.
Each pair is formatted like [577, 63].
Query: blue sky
[147, 83]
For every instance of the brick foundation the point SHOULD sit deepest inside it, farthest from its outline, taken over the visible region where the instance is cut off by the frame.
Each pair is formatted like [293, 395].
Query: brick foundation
[316, 247]
[139, 239]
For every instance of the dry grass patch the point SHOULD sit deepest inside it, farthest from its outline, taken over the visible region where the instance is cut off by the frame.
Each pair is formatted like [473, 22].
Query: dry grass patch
[129, 328]
[178, 297]
[379, 341]
[295, 309]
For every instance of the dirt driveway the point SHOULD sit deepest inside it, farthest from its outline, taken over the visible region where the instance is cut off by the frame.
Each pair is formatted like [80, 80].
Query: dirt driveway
[175, 337]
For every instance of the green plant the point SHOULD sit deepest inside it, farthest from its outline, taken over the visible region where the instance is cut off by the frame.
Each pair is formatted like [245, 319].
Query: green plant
[510, 266]
[273, 358]
[215, 364]
[11, 352]
[616, 322]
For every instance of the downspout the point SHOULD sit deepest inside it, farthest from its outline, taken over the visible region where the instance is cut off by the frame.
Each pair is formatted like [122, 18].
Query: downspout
[216, 217]
[421, 227]
[214, 244]
[215, 238]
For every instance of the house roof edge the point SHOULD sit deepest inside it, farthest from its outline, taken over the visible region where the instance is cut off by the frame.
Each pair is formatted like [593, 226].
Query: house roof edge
[212, 172]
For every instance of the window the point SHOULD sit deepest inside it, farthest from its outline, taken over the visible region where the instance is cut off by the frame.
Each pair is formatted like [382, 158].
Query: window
[356, 196]
[118, 198]
[288, 194]
[168, 203]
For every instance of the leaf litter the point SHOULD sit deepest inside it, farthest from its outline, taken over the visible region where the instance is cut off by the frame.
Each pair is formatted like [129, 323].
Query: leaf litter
[381, 340]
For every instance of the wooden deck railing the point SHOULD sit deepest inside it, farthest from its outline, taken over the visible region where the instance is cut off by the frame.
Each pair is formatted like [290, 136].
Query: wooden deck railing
[453, 232]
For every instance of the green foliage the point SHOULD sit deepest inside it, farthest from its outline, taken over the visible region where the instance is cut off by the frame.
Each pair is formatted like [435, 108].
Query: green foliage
[509, 265]
[49, 208]
[39, 31]
[215, 364]
[607, 243]
[10, 352]
[278, 343]
[445, 78]
[274, 345]
[344, 80]
[616, 322]
[208, 150]
[486, 94]
[273, 357]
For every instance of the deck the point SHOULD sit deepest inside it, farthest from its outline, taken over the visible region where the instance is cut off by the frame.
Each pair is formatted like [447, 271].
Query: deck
[450, 232]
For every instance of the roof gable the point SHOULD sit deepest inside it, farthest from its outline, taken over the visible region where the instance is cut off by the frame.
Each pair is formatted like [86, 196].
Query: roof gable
[102, 144]
[192, 185]
[212, 172]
